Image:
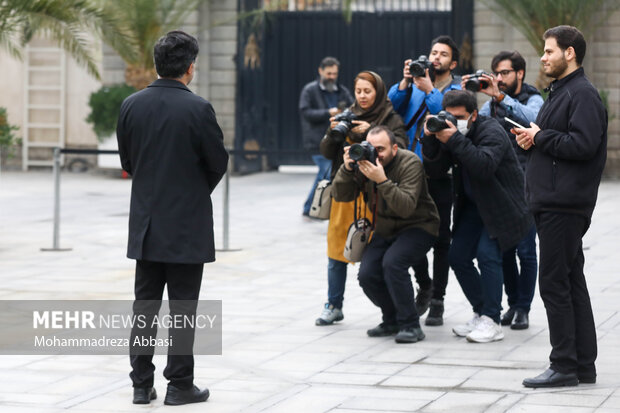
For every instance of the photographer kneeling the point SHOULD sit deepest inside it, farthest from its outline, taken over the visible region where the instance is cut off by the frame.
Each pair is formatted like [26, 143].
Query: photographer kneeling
[406, 226]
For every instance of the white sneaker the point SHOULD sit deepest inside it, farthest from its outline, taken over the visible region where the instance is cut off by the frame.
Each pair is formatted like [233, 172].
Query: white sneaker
[463, 329]
[486, 331]
[329, 315]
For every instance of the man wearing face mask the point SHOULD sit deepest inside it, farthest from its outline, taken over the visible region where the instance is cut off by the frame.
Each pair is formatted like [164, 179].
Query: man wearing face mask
[513, 98]
[319, 101]
[490, 212]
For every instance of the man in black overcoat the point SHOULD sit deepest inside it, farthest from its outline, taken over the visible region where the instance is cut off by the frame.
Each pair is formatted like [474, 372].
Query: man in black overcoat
[171, 144]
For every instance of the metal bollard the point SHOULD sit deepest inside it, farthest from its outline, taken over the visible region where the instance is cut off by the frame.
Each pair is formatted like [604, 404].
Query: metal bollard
[226, 214]
[56, 235]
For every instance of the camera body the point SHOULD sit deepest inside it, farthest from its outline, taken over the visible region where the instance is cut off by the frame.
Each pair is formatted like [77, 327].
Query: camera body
[345, 123]
[438, 122]
[476, 82]
[418, 67]
[363, 151]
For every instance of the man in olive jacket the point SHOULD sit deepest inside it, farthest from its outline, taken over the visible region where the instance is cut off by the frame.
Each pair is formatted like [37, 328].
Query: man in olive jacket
[406, 225]
[171, 144]
[490, 212]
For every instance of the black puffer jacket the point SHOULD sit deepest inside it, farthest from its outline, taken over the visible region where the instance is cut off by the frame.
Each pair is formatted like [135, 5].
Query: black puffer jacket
[495, 176]
[566, 164]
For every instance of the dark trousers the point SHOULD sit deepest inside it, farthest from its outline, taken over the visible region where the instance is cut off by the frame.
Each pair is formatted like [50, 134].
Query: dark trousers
[441, 192]
[470, 240]
[384, 274]
[183, 282]
[565, 294]
[520, 284]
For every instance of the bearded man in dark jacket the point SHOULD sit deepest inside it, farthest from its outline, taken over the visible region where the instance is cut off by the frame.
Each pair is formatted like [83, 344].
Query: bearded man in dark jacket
[567, 151]
[490, 212]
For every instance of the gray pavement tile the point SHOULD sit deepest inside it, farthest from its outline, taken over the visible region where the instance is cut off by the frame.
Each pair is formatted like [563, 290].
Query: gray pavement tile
[274, 358]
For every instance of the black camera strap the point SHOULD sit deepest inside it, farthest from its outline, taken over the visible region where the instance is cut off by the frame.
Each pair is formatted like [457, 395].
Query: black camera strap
[416, 117]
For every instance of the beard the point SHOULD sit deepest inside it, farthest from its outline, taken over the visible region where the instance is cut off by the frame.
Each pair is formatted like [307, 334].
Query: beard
[329, 85]
[555, 71]
[442, 69]
[509, 89]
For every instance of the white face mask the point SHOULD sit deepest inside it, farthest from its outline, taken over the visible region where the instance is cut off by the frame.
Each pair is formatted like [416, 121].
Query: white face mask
[461, 125]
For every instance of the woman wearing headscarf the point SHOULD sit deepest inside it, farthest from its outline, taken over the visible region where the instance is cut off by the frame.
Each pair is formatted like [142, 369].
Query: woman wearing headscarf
[371, 108]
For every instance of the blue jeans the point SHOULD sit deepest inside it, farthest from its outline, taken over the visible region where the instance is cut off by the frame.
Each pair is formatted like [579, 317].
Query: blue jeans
[471, 240]
[325, 170]
[520, 286]
[336, 280]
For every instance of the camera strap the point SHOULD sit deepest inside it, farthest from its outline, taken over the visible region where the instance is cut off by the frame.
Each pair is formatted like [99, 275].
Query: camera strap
[357, 212]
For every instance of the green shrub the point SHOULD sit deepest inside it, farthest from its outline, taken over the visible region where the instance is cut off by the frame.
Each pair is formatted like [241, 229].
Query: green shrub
[104, 107]
[7, 138]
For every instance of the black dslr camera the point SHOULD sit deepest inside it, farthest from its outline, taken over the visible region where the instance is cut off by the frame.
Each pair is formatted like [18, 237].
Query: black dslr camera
[438, 122]
[417, 68]
[345, 123]
[363, 151]
[476, 82]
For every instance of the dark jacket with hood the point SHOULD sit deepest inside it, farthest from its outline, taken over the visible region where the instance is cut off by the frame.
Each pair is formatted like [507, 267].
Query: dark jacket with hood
[495, 178]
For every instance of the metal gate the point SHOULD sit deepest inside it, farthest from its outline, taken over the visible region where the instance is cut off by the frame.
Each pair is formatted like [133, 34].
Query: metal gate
[279, 52]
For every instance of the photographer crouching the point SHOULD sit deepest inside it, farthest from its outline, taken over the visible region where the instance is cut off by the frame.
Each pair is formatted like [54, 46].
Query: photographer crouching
[406, 225]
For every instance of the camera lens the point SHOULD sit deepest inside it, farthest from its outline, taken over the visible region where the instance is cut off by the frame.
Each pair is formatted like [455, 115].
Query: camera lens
[473, 85]
[357, 152]
[435, 124]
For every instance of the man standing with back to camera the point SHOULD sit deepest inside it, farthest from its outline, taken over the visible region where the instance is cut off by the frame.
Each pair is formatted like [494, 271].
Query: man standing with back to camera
[413, 98]
[567, 148]
[513, 98]
[170, 143]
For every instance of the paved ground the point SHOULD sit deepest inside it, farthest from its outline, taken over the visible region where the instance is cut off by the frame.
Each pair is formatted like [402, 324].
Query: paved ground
[274, 358]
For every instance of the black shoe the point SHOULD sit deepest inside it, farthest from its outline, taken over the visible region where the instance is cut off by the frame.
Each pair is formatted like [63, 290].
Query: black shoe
[551, 378]
[587, 379]
[508, 317]
[144, 395]
[435, 313]
[176, 396]
[410, 335]
[521, 321]
[383, 330]
[423, 299]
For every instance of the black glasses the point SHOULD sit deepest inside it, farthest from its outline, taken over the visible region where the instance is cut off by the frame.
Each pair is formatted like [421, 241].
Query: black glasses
[504, 73]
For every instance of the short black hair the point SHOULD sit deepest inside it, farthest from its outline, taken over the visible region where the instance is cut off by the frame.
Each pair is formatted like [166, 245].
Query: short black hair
[518, 62]
[568, 36]
[447, 40]
[455, 98]
[382, 128]
[329, 62]
[174, 53]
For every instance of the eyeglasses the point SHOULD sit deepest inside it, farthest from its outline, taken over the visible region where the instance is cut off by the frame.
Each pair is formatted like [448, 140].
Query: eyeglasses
[504, 73]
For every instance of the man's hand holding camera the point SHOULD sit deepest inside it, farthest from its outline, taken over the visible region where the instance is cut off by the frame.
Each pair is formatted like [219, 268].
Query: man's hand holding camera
[372, 171]
[424, 83]
[442, 135]
[489, 85]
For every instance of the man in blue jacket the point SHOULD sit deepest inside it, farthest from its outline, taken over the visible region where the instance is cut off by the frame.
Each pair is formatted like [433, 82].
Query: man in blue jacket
[413, 98]
[567, 147]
